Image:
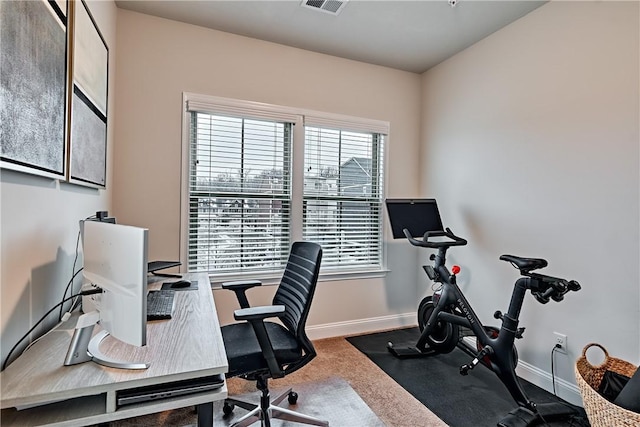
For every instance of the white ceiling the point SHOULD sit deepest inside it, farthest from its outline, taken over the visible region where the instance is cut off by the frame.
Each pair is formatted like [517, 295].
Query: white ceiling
[407, 35]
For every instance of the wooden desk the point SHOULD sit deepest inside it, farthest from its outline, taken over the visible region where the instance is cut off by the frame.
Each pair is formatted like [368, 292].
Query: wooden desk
[187, 346]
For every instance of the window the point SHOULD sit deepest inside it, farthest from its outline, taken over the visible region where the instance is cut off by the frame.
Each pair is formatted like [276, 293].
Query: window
[343, 196]
[258, 177]
[239, 194]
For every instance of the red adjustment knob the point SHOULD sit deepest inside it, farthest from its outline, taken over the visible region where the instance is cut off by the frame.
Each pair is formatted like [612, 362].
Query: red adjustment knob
[455, 269]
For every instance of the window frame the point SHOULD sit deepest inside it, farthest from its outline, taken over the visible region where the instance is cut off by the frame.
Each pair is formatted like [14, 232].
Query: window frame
[246, 153]
[300, 118]
[336, 143]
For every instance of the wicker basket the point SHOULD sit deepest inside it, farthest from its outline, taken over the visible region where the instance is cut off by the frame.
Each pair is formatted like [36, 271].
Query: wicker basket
[600, 411]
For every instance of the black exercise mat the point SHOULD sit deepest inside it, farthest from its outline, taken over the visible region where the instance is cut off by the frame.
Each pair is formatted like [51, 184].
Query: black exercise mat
[478, 399]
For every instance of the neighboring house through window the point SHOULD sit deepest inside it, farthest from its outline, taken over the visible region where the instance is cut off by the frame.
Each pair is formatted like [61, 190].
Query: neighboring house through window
[343, 195]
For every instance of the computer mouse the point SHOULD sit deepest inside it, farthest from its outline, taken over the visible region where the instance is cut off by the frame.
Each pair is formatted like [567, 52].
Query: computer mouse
[181, 284]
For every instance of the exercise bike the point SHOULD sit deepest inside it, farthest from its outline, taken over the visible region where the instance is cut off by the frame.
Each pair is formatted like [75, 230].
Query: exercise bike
[446, 317]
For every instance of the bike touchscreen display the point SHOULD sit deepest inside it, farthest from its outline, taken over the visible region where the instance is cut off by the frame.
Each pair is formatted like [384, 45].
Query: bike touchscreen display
[416, 215]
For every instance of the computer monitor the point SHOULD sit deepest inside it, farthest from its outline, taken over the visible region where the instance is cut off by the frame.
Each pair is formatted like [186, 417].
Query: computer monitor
[416, 215]
[116, 261]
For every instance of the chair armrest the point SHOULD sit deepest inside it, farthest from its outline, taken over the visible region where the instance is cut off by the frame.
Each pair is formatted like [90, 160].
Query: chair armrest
[240, 287]
[241, 284]
[258, 313]
[255, 316]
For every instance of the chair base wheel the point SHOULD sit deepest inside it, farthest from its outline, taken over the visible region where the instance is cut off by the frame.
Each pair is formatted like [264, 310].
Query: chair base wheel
[228, 408]
[256, 413]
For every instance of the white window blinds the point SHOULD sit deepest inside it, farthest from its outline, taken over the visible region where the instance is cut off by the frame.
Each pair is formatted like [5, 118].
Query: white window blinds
[257, 177]
[239, 193]
[343, 196]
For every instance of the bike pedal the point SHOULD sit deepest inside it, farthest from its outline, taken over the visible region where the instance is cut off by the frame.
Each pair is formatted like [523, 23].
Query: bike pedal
[464, 369]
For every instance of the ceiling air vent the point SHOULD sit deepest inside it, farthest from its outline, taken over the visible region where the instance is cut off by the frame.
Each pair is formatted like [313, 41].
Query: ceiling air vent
[333, 7]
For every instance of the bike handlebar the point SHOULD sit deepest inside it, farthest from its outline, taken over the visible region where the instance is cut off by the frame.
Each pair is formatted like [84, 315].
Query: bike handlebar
[543, 288]
[426, 243]
[555, 288]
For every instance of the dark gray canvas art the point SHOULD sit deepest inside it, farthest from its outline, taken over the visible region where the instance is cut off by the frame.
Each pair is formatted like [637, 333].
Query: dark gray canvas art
[88, 151]
[32, 90]
[89, 103]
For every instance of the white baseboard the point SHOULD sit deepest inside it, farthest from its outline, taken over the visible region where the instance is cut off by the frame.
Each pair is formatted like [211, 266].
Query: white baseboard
[543, 379]
[533, 374]
[361, 326]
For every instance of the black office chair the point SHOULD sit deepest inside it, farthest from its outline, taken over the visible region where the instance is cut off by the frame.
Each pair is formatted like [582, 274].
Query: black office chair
[258, 349]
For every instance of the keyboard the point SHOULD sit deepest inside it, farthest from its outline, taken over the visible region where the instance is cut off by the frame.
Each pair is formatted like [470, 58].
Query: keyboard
[160, 304]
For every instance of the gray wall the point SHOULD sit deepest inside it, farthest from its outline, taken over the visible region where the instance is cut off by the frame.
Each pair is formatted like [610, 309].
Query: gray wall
[539, 123]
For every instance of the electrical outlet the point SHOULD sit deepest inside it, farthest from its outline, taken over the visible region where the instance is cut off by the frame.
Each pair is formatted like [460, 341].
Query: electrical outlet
[561, 340]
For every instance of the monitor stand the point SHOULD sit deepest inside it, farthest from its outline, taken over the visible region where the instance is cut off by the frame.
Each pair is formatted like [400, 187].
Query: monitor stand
[84, 348]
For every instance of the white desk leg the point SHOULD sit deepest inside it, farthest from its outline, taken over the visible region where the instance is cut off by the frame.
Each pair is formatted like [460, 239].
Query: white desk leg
[111, 401]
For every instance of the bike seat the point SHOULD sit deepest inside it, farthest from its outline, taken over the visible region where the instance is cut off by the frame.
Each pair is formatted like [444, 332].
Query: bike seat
[525, 264]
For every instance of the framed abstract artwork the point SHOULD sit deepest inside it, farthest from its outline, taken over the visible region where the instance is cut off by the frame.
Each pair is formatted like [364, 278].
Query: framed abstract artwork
[89, 100]
[33, 87]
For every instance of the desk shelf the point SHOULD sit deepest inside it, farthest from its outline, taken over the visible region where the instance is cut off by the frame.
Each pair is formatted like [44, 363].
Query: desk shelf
[90, 410]
[65, 413]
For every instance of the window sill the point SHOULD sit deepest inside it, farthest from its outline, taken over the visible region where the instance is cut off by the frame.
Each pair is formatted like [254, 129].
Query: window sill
[268, 279]
[352, 275]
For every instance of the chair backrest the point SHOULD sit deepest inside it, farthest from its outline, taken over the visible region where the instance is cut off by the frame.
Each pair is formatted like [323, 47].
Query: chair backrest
[298, 286]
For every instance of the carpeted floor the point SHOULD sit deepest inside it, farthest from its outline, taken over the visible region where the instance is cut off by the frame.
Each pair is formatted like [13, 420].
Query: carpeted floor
[393, 405]
[478, 399]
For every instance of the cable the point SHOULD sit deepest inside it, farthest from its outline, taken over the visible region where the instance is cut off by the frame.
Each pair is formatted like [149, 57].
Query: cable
[553, 375]
[544, 422]
[64, 319]
[60, 304]
[90, 292]
[64, 299]
[70, 284]
[574, 418]
[553, 380]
